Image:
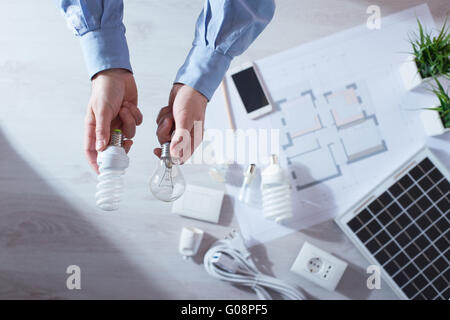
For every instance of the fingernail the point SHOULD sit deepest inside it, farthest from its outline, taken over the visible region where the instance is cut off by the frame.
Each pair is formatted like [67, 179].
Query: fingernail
[99, 145]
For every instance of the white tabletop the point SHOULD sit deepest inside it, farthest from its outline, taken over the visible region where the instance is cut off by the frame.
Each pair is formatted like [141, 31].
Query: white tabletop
[48, 219]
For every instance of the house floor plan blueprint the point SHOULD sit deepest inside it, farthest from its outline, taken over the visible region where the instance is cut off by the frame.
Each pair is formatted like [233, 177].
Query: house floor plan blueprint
[339, 127]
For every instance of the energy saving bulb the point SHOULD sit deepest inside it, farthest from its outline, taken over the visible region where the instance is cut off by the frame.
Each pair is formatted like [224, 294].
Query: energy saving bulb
[112, 163]
[276, 192]
[167, 183]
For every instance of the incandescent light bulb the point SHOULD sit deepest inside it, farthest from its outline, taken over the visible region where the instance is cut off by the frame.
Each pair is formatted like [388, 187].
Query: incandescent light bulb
[167, 183]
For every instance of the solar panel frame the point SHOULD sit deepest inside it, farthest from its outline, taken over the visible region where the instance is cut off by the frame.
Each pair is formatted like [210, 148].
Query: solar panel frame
[388, 212]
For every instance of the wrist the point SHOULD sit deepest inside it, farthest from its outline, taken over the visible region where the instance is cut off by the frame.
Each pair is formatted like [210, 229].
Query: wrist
[200, 96]
[111, 72]
[203, 70]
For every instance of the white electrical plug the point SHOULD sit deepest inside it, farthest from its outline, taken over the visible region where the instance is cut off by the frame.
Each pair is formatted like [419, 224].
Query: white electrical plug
[190, 241]
[319, 266]
[224, 262]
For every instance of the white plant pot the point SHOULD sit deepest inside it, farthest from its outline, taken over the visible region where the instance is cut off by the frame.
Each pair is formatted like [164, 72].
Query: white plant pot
[432, 123]
[411, 77]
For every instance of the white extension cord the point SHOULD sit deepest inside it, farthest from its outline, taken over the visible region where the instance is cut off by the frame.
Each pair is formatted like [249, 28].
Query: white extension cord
[229, 260]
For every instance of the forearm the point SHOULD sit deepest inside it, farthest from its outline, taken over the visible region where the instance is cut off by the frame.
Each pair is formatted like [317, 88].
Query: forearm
[99, 25]
[224, 30]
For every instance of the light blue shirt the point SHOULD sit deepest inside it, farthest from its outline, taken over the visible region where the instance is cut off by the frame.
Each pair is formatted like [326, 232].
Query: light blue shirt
[224, 30]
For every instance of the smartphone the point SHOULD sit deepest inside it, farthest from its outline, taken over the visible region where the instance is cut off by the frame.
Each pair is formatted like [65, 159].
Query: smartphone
[251, 90]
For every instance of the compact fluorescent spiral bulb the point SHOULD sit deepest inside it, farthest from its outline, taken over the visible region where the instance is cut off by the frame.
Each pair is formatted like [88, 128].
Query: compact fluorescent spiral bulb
[276, 192]
[112, 163]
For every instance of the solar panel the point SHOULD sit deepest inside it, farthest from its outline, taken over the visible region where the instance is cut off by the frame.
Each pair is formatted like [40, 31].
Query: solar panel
[403, 225]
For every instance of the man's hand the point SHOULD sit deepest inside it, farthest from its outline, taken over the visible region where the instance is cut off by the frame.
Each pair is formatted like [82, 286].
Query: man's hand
[181, 122]
[113, 105]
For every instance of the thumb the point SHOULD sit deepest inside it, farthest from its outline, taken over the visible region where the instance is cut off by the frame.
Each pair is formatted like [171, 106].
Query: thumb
[102, 129]
[181, 138]
[180, 146]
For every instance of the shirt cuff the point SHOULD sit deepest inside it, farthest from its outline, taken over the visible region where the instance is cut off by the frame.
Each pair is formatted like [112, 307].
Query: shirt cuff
[203, 70]
[104, 49]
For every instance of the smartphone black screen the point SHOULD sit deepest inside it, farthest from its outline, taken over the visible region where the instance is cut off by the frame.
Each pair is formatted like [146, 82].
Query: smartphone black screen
[250, 89]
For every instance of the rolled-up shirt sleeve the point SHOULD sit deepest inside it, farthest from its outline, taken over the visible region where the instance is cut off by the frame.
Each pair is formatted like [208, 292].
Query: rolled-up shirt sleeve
[99, 25]
[224, 30]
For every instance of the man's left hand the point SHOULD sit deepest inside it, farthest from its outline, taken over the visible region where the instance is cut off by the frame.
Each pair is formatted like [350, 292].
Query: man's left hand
[182, 122]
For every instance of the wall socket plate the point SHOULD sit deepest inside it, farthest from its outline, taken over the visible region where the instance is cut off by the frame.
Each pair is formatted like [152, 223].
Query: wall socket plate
[319, 266]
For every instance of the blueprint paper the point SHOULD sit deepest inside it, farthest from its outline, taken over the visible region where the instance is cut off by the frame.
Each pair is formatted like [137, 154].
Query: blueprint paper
[345, 119]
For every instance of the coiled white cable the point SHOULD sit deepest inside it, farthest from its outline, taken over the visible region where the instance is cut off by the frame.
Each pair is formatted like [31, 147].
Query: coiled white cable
[229, 260]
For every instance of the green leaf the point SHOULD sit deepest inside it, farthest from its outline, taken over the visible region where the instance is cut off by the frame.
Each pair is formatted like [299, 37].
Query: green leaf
[432, 52]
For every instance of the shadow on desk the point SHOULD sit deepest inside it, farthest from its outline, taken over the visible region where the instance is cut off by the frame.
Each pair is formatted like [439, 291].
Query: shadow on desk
[353, 284]
[41, 234]
[311, 211]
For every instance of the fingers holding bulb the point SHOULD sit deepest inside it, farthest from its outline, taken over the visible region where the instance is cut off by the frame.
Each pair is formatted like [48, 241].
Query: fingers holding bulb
[181, 145]
[130, 117]
[127, 145]
[165, 128]
[89, 140]
[184, 142]
[128, 123]
[135, 112]
[163, 113]
[157, 152]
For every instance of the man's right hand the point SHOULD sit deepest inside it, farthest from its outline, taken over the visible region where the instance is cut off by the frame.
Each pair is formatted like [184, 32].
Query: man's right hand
[113, 105]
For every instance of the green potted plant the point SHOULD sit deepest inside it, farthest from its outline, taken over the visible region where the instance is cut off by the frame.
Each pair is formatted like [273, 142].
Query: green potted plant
[436, 120]
[429, 59]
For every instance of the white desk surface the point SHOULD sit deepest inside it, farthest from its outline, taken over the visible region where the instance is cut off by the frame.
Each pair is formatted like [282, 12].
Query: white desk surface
[48, 219]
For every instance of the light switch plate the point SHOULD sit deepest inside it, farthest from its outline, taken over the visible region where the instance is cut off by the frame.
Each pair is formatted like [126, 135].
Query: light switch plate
[199, 203]
[319, 266]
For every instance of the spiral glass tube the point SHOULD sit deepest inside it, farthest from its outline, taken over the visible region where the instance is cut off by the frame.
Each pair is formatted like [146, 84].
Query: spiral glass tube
[276, 193]
[109, 189]
[112, 164]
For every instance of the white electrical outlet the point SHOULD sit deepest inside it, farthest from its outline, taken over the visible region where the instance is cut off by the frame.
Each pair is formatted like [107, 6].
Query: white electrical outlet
[319, 266]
